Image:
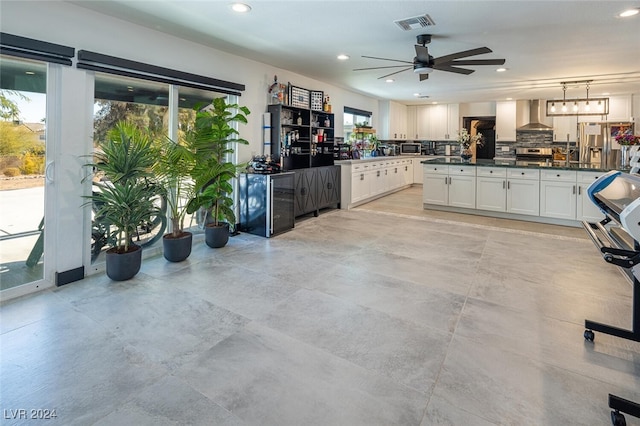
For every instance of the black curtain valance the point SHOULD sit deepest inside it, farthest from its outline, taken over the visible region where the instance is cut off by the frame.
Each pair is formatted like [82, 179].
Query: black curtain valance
[125, 67]
[356, 111]
[29, 48]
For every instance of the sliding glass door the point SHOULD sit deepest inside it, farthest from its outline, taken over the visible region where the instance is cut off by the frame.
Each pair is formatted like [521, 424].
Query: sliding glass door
[23, 153]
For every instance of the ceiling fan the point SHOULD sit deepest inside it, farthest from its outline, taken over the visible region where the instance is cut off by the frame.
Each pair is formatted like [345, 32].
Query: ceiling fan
[423, 63]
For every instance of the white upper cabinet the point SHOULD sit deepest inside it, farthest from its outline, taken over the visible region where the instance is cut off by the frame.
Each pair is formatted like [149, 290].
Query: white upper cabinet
[438, 122]
[564, 126]
[506, 121]
[412, 124]
[620, 109]
[393, 120]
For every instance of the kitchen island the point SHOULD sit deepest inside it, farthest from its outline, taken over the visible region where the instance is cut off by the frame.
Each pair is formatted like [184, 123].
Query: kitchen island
[551, 192]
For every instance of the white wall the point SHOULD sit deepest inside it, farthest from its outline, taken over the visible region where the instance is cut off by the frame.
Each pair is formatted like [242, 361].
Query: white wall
[74, 26]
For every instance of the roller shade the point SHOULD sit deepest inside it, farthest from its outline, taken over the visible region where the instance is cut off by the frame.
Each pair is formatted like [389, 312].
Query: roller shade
[125, 67]
[29, 48]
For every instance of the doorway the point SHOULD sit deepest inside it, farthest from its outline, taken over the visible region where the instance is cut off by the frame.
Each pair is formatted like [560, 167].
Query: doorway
[486, 126]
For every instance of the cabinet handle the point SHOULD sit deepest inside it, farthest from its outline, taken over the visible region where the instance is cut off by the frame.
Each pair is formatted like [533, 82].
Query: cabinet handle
[490, 171]
[303, 191]
[557, 175]
[508, 185]
[503, 185]
[574, 190]
[378, 173]
[446, 181]
[522, 173]
[329, 185]
[579, 190]
[361, 176]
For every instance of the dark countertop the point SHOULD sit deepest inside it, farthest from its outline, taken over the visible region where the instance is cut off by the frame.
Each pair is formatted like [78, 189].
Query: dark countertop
[561, 165]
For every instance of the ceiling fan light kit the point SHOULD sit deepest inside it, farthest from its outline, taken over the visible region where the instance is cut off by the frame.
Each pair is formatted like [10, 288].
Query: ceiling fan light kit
[423, 63]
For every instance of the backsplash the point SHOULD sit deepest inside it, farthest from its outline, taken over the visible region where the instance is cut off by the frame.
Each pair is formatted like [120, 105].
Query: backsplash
[528, 138]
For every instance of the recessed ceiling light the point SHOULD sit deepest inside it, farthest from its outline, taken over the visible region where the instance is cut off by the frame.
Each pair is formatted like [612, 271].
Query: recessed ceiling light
[389, 80]
[509, 99]
[343, 57]
[416, 94]
[501, 69]
[240, 7]
[434, 103]
[29, 72]
[629, 12]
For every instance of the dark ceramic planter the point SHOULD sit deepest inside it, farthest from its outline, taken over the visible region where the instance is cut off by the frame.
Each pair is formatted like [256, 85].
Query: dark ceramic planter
[216, 236]
[177, 249]
[123, 266]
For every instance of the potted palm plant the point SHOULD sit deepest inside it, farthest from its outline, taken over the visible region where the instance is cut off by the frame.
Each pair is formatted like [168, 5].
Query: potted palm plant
[213, 137]
[124, 195]
[173, 168]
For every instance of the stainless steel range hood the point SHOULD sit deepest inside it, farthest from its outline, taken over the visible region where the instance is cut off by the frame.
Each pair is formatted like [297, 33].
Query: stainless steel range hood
[535, 123]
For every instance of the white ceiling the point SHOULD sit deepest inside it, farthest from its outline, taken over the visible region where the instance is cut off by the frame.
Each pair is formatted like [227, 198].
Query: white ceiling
[543, 42]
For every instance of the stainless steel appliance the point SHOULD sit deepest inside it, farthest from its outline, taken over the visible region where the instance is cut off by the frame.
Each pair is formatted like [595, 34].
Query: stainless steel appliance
[598, 145]
[411, 148]
[617, 238]
[534, 156]
[266, 203]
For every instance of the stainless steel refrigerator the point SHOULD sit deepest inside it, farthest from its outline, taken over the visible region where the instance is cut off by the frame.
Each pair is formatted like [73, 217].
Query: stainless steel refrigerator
[266, 203]
[598, 145]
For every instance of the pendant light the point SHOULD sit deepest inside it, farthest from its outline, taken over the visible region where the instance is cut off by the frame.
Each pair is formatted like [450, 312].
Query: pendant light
[587, 107]
[564, 97]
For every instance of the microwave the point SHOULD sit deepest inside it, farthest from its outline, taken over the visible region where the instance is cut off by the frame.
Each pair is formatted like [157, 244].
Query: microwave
[410, 148]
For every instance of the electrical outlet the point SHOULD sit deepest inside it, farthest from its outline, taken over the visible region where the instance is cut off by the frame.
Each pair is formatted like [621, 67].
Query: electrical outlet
[505, 149]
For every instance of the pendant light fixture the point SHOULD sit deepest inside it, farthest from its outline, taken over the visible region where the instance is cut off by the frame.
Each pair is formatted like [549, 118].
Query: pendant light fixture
[580, 106]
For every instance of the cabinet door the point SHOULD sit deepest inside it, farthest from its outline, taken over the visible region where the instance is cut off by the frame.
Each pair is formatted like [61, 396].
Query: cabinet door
[585, 209]
[378, 181]
[407, 169]
[453, 121]
[435, 189]
[423, 122]
[523, 196]
[328, 181]
[506, 121]
[439, 122]
[558, 199]
[412, 125]
[462, 191]
[418, 171]
[565, 126]
[306, 193]
[360, 186]
[491, 194]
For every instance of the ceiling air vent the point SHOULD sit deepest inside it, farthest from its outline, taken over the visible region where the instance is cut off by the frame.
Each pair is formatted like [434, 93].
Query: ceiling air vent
[415, 22]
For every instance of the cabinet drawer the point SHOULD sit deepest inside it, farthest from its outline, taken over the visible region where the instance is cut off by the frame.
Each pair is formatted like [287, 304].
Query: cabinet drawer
[437, 169]
[589, 177]
[558, 175]
[462, 170]
[359, 168]
[491, 172]
[529, 174]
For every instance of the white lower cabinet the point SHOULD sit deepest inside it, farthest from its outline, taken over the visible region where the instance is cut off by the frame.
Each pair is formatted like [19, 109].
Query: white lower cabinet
[491, 189]
[508, 190]
[449, 185]
[558, 194]
[418, 172]
[368, 179]
[585, 208]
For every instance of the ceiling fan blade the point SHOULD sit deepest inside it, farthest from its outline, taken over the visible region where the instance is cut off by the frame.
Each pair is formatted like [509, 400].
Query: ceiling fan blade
[396, 72]
[465, 53]
[387, 59]
[422, 54]
[424, 77]
[449, 68]
[478, 62]
[379, 68]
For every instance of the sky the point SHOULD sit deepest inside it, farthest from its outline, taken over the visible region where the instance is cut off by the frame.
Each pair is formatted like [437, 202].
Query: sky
[32, 111]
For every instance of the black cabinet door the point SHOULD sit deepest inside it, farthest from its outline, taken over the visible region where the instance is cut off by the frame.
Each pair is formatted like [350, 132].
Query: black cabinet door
[306, 194]
[328, 180]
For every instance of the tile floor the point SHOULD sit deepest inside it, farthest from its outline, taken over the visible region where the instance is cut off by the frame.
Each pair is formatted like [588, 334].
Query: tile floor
[382, 315]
